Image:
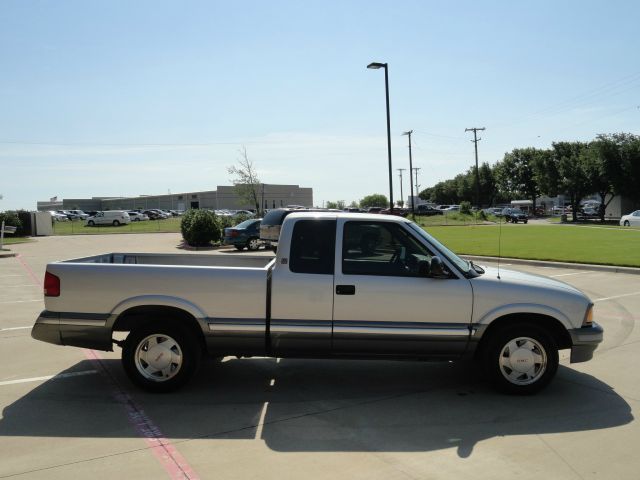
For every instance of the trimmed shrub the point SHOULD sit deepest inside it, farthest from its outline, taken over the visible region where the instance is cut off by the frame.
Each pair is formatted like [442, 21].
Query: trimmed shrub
[11, 219]
[200, 228]
[465, 208]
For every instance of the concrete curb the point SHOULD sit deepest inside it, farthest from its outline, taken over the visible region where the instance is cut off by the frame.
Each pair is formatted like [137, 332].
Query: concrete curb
[5, 254]
[544, 263]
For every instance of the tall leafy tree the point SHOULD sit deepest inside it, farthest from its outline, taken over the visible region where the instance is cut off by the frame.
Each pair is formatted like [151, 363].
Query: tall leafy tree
[605, 169]
[516, 173]
[572, 178]
[374, 200]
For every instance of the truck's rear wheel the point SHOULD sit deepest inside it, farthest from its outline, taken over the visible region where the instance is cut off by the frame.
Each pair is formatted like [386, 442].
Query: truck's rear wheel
[521, 358]
[160, 357]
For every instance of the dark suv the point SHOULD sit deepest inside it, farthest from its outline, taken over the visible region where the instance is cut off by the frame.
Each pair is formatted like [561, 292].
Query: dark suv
[514, 215]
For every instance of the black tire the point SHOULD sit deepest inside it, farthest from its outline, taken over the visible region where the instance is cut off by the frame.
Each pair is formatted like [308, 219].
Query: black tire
[91, 223]
[239, 247]
[514, 220]
[136, 219]
[626, 223]
[116, 223]
[497, 358]
[525, 221]
[253, 244]
[185, 347]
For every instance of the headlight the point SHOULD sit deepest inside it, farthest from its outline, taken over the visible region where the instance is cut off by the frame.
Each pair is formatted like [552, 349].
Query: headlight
[588, 316]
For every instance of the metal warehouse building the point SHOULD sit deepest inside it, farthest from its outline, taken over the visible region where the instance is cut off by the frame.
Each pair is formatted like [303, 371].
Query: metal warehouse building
[224, 197]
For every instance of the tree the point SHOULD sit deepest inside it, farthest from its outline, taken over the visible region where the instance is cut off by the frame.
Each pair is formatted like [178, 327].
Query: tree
[374, 200]
[629, 146]
[245, 179]
[516, 173]
[339, 205]
[604, 169]
[400, 203]
[570, 160]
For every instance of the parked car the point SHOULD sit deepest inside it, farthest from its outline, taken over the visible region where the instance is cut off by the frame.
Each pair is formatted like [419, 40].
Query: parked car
[427, 210]
[58, 217]
[496, 211]
[451, 208]
[244, 235]
[109, 217]
[137, 216]
[272, 223]
[514, 215]
[78, 214]
[155, 214]
[375, 209]
[177, 213]
[342, 285]
[401, 212]
[633, 219]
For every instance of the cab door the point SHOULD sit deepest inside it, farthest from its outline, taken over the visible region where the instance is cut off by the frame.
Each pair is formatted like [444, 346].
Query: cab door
[383, 303]
[302, 289]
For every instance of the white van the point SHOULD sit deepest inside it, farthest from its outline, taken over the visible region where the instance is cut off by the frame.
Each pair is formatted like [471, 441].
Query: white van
[109, 217]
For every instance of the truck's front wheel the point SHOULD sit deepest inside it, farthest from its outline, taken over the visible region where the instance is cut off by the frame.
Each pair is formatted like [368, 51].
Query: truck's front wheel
[160, 357]
[521, 358]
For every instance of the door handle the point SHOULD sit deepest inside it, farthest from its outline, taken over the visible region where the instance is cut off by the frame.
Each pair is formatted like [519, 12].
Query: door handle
[345, 289]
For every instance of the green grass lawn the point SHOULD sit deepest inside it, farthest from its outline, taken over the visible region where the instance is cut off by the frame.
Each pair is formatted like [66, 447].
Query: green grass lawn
[149, 226]
[607, 246]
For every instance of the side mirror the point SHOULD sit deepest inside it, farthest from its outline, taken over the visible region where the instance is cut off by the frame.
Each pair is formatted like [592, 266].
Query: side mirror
[436, 268]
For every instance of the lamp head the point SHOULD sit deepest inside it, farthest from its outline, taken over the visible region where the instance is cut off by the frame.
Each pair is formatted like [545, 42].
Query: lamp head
[376, 65]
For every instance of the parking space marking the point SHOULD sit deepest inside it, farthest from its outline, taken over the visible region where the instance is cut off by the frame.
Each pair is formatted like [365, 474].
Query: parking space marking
[21, 285]
[616, 296]
[14, 328]
[28, 269]
[569, 274]
[48, 377]
[167, 455]
[21, 301]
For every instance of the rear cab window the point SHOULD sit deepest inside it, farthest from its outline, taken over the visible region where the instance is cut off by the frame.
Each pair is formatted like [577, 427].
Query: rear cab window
[313, 245]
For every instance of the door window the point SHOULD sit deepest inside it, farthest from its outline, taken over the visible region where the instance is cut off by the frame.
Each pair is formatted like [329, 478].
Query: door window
[313, 246]
[381, 248]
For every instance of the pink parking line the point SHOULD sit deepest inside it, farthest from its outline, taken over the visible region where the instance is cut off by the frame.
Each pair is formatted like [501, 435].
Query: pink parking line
[29, 271]
[171, 460]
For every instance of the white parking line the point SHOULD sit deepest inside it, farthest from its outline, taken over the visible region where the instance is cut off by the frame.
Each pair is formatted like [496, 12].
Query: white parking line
[21, 301]
[616, 296]
[568, 274]
[48, 377]
[14, 328]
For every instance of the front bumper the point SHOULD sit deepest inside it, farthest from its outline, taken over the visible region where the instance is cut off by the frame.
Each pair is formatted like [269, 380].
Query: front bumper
[585, 340]
[87, 330]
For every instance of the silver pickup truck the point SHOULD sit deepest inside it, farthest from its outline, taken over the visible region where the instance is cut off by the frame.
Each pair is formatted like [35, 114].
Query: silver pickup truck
[341, 286]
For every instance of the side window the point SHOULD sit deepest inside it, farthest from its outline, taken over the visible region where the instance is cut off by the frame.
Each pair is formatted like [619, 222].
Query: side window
[381, 248]
[313, 246]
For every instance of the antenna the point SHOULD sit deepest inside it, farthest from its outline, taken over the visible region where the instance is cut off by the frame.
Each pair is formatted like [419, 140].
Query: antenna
[499, 243]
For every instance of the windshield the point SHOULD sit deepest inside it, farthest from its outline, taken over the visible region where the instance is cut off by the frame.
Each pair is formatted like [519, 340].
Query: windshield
[452, 257]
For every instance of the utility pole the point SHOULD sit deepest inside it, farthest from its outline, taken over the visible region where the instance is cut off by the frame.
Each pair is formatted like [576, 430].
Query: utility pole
[413, 208]
[401, 194]
[415, 170]
[475, 141]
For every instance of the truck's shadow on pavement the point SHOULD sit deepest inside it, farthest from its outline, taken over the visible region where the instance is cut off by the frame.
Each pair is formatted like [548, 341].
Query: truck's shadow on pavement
[319, 405]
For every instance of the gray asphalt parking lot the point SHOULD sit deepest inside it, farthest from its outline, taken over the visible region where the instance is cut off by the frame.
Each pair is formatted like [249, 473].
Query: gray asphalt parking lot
[71, 412]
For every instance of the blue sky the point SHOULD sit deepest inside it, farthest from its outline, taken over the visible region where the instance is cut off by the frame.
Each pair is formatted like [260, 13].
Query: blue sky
[125, 98]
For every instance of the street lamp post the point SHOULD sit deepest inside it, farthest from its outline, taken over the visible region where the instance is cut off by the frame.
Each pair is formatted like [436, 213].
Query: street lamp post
[375, 66]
